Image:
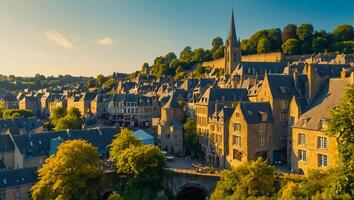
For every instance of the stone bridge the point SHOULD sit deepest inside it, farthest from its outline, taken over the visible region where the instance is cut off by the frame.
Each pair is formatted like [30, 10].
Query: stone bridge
[179, 182]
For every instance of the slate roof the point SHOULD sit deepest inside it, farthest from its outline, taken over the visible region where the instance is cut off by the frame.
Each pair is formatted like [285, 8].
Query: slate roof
[6, 144]
[133, 98]
[38, 144]
[173, 100]
[29, 123]
[279, 81]
[219, 94]
[260, 68]
[252, 111]
[329, 70]
[17, 177]
[328, 98]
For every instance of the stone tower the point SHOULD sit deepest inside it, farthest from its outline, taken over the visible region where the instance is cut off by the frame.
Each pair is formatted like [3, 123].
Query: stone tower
[232, 49]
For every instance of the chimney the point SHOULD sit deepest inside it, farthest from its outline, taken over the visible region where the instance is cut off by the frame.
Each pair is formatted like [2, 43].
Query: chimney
[216, 106]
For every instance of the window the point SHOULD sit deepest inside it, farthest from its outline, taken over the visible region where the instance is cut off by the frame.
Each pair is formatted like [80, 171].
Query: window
[292, 121]
[302, 155]
[283, 104]
[284, 129]
[237, 114]
[236, 154]
[301, 138]
[264, 117]
[303, 122]
[283, 90]
[322, 160]
[261, 141]
[261, 128]
[2, 194]
[236, 140]
[322, 142]
[322, 124]
[237, 127]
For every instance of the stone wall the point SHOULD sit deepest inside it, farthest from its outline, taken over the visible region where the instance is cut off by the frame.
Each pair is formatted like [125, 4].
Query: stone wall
[218, 63]
[264, 57]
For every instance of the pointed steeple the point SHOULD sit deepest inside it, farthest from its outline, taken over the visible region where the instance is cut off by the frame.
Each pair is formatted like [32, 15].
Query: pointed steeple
[232, 33]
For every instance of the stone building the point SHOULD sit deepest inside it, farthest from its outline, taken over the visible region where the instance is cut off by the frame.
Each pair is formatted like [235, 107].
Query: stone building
[170, 127]
[130, 110]
[205, 106]
[312, 148]
[16, 183]
[218, 140]
[31, 102]
[250, 133]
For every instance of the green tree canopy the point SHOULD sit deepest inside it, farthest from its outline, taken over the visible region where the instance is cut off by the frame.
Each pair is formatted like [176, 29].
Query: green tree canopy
[141, 164]
[190, 137]
[122, 141]
[251, 180]
[73, 173]
[343, 32]
[289, 32]
[263, 46]
[291, 47]
[170, 57]
[15, 113]
[216, 43]
[186, 54]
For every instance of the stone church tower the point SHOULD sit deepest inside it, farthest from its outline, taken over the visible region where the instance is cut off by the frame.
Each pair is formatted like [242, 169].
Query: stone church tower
[232, 54]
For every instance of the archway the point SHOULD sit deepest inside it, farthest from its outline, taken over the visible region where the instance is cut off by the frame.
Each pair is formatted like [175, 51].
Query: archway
[192, 192]
[106, 195]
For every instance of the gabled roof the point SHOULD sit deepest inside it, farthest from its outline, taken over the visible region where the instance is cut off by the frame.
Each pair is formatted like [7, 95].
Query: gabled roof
[17, 177]
[252, 111]
[223, 94]
[330, 96]
[38, 144]
[6, 144]
[282, 86]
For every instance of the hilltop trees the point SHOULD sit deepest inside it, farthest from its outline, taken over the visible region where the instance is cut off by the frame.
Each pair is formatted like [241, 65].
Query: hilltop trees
[73, 173]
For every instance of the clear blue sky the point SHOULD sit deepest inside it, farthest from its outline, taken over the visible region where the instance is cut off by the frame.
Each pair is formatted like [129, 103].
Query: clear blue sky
[88, 37]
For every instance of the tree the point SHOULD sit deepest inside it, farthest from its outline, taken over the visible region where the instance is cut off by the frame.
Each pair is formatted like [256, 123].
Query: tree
[170, 57]
[250, 180]
[122, 141]
[198, 55]
[100, 80]
[305, 32]
[291, 47]
[341, 125]
[219, 53]
[115, 196]
[145, 68]
[263, 46]
[15, 113]
[216, 43]
[319, 44]
[274, 36]
[289, 32]
[90, 83]
[63, 120]
[140, 165]
[186, 54]
[191, 139]
[73, 173]
[343, 32]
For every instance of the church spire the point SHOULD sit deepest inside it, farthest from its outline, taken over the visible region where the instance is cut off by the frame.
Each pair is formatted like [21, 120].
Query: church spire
[232, 33]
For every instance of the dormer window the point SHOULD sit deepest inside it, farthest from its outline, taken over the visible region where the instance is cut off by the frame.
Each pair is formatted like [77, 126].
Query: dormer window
[303, 122]
[283, 104]
[283, 90]
[322, 124]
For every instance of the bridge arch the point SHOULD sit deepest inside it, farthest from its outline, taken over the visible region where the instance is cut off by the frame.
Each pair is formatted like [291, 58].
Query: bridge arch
[192, 191]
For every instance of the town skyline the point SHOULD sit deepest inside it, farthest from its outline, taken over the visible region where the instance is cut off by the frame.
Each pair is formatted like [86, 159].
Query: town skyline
[102, 38]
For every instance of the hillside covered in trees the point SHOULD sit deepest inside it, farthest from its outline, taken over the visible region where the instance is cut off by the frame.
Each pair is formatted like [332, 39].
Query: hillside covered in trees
[291, 40]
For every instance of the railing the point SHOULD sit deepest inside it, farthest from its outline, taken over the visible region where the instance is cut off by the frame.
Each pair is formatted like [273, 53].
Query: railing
[193, 172]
